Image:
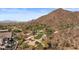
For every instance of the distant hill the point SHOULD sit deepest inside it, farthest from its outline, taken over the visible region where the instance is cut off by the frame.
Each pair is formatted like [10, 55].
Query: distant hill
[7, 21]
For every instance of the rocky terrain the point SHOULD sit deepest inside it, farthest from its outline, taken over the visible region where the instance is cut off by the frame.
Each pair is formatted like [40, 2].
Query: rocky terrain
[66, 28]
[58, 30]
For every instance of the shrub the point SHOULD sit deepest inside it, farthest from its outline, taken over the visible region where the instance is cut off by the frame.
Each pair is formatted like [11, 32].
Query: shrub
[49, 31]
[17, 30]
[36, 27]
[45, 43]
[39, 46]
[24, 45]
[20, 41]
[29, 27]
[39, 35]
[65, 26]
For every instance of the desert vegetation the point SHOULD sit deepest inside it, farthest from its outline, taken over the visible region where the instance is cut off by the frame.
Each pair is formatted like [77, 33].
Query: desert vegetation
[59, 30]
[30, 36]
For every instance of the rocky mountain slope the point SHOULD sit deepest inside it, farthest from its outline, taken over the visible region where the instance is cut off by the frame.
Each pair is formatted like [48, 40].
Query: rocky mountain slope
[66, 26]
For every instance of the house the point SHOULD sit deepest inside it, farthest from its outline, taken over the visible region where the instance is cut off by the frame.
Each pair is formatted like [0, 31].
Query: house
[4, 34]
[6, 40]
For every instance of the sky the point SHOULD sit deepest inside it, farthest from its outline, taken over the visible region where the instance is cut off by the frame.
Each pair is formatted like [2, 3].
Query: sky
[26, 14]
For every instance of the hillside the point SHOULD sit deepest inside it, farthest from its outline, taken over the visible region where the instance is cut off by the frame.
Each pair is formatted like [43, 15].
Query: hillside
[66, 26]
[57, 17]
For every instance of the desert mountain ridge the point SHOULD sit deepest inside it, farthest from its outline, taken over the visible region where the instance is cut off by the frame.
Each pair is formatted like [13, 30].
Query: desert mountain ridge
[58, 16]
[66, 28]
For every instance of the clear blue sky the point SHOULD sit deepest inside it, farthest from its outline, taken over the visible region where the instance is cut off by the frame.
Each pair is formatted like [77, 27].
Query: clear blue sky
[25, 14]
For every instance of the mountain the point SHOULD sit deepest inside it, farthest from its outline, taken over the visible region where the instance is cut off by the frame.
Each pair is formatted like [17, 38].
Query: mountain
[66, 26]
[55, 18]
[8, 21]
